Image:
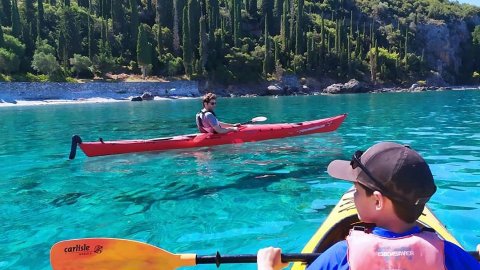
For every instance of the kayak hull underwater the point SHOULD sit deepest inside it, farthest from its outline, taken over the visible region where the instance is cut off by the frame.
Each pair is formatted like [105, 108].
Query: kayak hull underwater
[344, 216]
[246, 133]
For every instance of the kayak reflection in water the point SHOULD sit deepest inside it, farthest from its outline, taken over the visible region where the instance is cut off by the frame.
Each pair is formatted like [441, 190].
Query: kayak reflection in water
[392, 185]
[207, 121]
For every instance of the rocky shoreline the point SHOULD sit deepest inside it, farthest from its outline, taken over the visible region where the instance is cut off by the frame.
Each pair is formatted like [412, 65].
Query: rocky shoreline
[12, 94]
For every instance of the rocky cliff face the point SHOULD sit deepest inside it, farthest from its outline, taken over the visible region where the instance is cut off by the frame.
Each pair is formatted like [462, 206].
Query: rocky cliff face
[443, 44]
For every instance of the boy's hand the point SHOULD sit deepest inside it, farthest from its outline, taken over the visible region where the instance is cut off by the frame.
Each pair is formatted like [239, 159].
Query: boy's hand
[270, 259]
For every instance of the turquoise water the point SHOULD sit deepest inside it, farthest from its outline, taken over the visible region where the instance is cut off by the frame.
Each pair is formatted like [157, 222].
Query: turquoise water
[232, 198]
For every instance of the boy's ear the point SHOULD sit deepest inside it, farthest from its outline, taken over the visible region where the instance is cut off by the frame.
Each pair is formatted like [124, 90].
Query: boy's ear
[379, 200]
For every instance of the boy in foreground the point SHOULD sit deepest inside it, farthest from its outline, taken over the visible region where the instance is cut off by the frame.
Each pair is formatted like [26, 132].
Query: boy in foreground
[392, 185]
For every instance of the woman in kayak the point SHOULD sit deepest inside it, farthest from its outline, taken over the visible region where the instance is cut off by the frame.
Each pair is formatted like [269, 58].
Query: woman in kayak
[392, 185]
[206, 119]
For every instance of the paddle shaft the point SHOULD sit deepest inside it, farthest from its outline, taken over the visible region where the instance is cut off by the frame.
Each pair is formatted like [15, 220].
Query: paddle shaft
[289, 257]
[249, 258]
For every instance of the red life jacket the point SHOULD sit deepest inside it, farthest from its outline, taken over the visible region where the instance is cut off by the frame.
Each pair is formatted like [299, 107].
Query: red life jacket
[200, 118]
[421, 251]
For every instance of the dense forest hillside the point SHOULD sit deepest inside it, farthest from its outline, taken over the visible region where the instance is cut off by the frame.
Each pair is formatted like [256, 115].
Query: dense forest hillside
[233, 41]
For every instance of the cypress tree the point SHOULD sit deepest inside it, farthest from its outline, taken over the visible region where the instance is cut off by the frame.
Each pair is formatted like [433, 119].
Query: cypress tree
[2, 14]
[322, 44]
[2, 39]
[62, 48]
[83, 3]
[149, 7]
[134, 24]
[40, 20]
[158, 21]
[292, 25]
[16, 25]
[213, 14]
[144, 49]
[90, 30]
[364, 30]
[374, 61]
[252, 8]
[7, 11]
[358, 46]
[203, 45]
[118, 17]
[29, 28]
[277, 15]
[166, 14]
[71, 32]
[299, 29]
[160, 12]
[284, 27]
[267, 10]
[237, 17]
[222, 36]
[309, 51]
[187, 45]
[406, 49]
[193, 25]
[177, 8]
[277, 53]
[267, 59]
[351, 24]
[349, 53]
[337, 36]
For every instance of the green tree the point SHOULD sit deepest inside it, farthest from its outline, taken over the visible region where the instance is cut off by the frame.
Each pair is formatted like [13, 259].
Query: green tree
[7, 12]
[237, 18]
[476, 48]
[203, 45]
[252, 8]
[45, 64]
[178, 6]
[299, 29]
[213, 15]
[134, 24]
[2, 39]
[277, 15]
[81, 65]
[40, 20]
[187, 44]
[9, 62]
[193, 26]
[267, 11]
[16, 24]
[267, 66]
[14, 51]
[30, 19]
[119, 24]
[285, 27]
[91, 31]
[144, 49]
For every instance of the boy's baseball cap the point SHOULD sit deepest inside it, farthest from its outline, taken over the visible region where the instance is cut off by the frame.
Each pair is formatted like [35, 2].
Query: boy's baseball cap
[396, 170]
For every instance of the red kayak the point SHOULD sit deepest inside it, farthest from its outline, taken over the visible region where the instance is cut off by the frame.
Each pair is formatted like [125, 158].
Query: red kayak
[246, 133]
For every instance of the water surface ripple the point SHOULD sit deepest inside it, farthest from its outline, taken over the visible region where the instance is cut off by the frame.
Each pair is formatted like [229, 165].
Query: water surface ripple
[232, 198]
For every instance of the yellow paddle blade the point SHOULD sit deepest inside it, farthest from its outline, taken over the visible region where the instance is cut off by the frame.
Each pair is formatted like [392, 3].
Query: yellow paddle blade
[114, 254]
